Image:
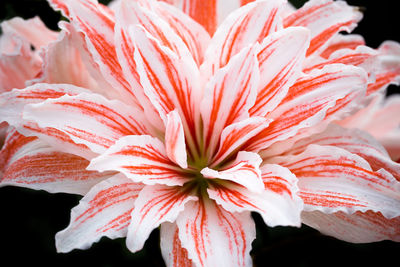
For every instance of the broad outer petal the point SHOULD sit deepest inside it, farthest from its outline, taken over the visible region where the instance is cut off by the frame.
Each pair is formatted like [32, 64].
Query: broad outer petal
[214, 236]
[171, 247]
[332, 179]
[104, 211]
[142, 159]
[278, 204]
[29, 162]
[156, 204]
[359, 227]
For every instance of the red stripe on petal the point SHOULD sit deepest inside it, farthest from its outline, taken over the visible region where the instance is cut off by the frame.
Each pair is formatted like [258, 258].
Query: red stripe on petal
[203, 11]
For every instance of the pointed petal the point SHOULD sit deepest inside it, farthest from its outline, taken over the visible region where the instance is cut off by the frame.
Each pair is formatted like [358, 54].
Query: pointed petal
[278, 204]
[245, 170]
[171, 247]
[237, 134]
[308, 101]
[359, 227]
[104, 211]
[97, 25]
[88, 119]
[332, 179]
[204, 12]
[142, 159]
[341, 41]
[280, 60]
[207, 231]
[33, 30]
[156, 204]
[29, 162]
[175, 140]
[228, 96]
[245, 26]
[324, 18]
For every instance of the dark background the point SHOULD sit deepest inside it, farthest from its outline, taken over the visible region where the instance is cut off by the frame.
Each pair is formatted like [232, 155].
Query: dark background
[30, 219]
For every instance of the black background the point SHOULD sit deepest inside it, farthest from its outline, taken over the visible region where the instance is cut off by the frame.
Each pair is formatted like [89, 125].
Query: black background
[29, 219]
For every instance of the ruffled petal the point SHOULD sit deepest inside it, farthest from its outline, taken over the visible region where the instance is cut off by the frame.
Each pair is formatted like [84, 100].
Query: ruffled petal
[156, 204]
[214, 236]
[341, 41]
[104, 211]
[142, 159]
[29, 162]
[332, 179]
[245, 170]
[359, 227]
[228, 96]
[88, 119]
[325, 18]
[278, 204]
[280, 59]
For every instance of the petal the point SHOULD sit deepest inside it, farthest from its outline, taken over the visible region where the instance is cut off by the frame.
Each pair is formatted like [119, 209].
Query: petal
[245, 170]
[359, 227]
[204, 12]
[88, 119]
[245, 26]
[237, 134]
[175, 140]
[156, 204]
[171, 247]
[97, 26]
[341, 41]
[104, 211]
[215, 237]
[142, 159]
[332, 179]
[33, 30]
[278, 204]
[308, 101]
[280, 60]
[29, 162]
[324, 18]
[228, 96]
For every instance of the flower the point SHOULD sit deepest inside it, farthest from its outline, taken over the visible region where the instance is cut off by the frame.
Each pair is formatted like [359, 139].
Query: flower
[165, 121]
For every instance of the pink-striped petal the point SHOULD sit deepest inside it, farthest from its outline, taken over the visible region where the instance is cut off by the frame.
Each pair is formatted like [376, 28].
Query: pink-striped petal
[247, 25]
[237, 134]
[142, 159]
[332, 179]
[325, 18]
[228, 96]
[280, 60]
[214, 236]
[278, 204]
[171, 247]
[155, 205]
[104, 211]
[175, 140]
[245, 170]
[359, 227]
[341, 41]
[29, 162]
[88, 119]
[308, 101]
[204, 12]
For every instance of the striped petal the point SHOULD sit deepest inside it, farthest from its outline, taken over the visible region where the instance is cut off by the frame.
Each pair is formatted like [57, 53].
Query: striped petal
[215, 237]
[308, 101]
[359, 227]
[171, 247]
[155, 205]
[142, 159]
[204, 12]
[175, 140]
[341, 41]
[228, 96]
[88, 119]
[325, 18]
[29, 162]
[245, 170]
[104, 211]
[332, 179]
[280, 60]
[247, 25]
[278, 204]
